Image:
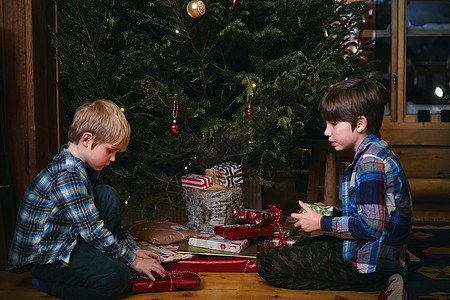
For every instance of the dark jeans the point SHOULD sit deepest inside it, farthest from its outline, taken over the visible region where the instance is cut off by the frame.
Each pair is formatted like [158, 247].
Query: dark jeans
[315, 264]
[91, 274]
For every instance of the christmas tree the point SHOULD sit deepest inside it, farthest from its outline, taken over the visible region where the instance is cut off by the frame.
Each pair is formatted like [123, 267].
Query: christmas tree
[239, 83]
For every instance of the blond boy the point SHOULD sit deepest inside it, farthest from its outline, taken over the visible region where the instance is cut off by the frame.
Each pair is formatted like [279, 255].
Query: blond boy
[68, 232]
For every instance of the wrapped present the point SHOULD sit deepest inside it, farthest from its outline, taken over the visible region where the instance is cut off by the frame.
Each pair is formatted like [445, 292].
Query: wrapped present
[217, 242]
[252, 216]
[160, 232]
[250, 252]
[324, 210]
[214, 264]
[167, 253]
[228, 174]
[173, 281]
[195, 181]
[242, 231]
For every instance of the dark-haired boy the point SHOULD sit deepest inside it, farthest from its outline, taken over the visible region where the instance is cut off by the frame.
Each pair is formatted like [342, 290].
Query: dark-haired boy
[364, 247]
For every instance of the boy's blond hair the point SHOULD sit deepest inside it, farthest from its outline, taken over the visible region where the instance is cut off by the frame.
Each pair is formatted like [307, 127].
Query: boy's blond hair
[104, 120]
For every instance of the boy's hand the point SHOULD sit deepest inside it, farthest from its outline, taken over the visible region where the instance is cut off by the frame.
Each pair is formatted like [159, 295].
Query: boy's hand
[308, 221]
[147, 266]
[147, 254]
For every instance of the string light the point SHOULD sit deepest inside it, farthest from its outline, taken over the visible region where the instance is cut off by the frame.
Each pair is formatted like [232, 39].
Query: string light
[186, 167]
[439, 92]
[122, 109]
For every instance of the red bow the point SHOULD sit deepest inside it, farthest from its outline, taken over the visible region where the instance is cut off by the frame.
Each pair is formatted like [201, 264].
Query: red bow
[276, 214]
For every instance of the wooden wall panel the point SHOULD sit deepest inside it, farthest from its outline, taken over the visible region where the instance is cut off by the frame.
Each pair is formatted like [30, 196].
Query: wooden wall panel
[44, 84]
[28, 101]
[28, 88]
[416, 134]
[15, 60]
[430, 190]
[421, 162]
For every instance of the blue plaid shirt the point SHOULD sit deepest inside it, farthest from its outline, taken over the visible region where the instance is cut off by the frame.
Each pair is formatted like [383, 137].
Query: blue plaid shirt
[57, 210]
[377, 210]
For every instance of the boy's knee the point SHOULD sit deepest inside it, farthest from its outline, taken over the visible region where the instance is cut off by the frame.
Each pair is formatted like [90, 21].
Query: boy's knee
[105, 190]
[106, 195]
[263, 264]
[115, 282]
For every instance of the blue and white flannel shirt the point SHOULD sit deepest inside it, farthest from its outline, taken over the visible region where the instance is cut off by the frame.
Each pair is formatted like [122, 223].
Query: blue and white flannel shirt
[377, 210]
[57, 210]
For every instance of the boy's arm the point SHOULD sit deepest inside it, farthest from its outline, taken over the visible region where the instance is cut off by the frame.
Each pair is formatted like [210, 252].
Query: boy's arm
[78, 207]
[366, 220]
[129, 242]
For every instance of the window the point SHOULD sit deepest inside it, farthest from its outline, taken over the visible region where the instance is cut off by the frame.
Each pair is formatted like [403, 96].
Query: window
[412, 45]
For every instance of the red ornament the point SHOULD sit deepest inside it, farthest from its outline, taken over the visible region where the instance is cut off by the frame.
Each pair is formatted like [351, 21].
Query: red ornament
[249, 111]
[174, 127]
[234, 2]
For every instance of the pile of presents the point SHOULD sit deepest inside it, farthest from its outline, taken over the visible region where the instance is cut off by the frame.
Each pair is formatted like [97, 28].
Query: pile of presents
[230, 248]
[230, 244]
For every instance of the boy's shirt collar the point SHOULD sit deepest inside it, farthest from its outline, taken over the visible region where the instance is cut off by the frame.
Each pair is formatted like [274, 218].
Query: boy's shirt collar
[74, 163]
[370, 139]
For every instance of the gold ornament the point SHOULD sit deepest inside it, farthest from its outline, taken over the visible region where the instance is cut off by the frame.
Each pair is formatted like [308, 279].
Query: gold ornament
[196, 8]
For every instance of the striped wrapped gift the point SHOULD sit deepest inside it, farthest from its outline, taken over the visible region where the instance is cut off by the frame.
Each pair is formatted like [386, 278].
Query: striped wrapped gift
[195, 181]
[228, 174]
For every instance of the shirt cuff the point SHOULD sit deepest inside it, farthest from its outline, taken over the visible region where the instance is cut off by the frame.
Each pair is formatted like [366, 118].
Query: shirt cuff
[129, 257]
[326, 224]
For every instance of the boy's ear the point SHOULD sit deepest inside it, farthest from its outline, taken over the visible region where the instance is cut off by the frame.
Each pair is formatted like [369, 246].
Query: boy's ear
[361, 124]
[87, 138]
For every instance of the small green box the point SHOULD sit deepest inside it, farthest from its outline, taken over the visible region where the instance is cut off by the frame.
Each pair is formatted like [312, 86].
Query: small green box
[324, 210]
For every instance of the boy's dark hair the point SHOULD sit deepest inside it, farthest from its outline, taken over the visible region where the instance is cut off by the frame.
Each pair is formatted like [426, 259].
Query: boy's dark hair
[351, 98]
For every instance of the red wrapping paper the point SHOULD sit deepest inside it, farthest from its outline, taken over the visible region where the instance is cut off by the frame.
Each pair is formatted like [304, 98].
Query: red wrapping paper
[173, 281]
[236, 232]
[258, 217]
[196, 181]
[214, 264]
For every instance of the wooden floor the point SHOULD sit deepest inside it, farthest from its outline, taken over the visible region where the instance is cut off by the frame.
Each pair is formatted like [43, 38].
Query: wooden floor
[219, 285]
[213, 285]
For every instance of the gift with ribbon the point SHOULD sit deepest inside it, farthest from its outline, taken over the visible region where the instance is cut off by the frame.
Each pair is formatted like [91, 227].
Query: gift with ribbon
[251, 216]
[174, 280]
[214, 264]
